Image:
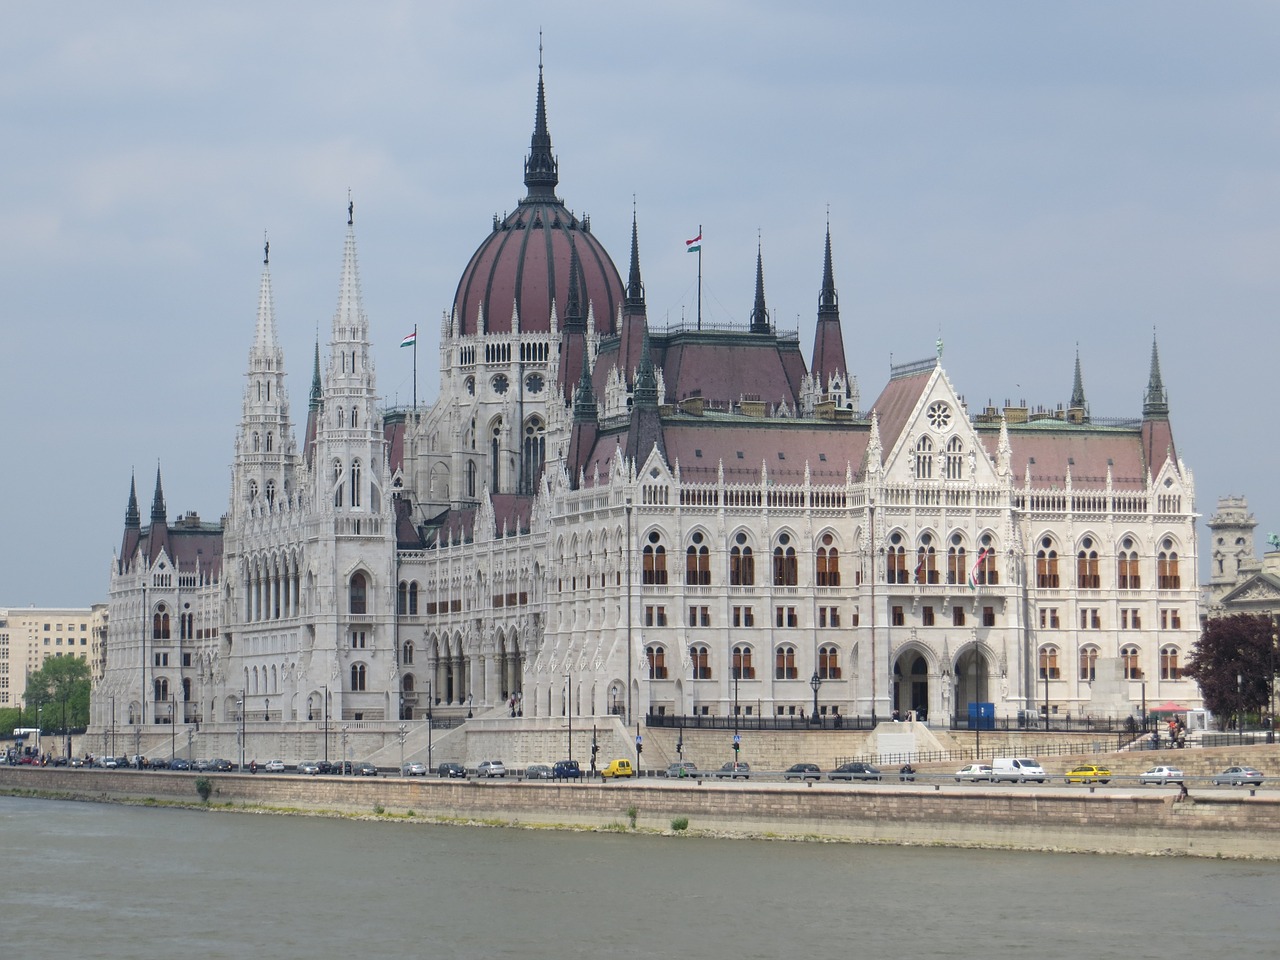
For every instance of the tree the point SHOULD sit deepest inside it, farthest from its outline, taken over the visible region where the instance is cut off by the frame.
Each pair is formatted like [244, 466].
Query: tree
[61, 681]
[1233, 661]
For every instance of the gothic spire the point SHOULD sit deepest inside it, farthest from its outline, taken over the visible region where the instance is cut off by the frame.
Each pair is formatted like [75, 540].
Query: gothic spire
[635, 287]
[828, 339]
[646, 388]
[541, 170]
[157, 501]
[1077, 387]
[265, 342]
[1155, 405]
[317, 387]
[132, 518]
[759, 314]
[574, 315]
[828, 302]
[585, 409]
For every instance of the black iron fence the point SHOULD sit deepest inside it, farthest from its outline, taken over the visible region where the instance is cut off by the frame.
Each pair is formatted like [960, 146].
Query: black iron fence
[753, 722]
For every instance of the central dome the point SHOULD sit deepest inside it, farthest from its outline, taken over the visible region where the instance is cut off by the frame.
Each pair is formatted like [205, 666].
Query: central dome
[524, 263]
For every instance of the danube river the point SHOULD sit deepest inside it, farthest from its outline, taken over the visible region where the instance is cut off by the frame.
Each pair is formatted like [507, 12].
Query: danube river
[96, 880]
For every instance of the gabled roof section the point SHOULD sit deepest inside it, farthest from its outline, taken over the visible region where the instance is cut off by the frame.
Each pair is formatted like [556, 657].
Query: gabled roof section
[907, 384]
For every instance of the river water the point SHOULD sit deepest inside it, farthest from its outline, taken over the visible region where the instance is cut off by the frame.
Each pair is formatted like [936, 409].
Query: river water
[92, 880]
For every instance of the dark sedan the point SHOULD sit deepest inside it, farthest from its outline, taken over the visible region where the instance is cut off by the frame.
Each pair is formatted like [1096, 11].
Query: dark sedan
[451, 771]
[855, 771]
[802, 771]
[218, 765]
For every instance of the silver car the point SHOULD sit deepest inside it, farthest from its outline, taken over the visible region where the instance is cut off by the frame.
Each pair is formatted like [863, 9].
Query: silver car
[413, 769]
[975, 771]
[1161, 776]
[491, 768]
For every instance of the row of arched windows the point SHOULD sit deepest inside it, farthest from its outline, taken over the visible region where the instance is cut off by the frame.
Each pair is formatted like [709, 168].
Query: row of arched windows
[407, 597]
[742, 665]
[742, 567]
[952, 463]
[923, 566]
[1088, 568]
[1130, 661]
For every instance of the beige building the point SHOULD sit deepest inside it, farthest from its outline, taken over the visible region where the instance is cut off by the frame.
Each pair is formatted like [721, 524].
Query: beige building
[31, 635]
[1238, 581]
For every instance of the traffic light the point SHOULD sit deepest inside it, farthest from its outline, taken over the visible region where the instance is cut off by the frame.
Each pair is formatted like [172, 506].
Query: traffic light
[736, 745]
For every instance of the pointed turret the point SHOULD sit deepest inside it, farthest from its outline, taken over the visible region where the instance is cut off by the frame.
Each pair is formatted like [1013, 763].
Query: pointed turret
[1077, 386]
[132, 526]
[828, 339]
[582, 438]
[635, 287]
[573, 345]
[317, 386]
[634, 328]
[158, 534]
[541, 170]
[759, 313]
[645, 431]
[1155, 404]
[157, 500]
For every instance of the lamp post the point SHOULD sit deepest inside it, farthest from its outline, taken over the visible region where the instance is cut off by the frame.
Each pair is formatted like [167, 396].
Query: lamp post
[326, 723]
[470, 699]
[240, 709]
[173, 728]
[66, 731]
[113, 726]
[1046, 697]
[266, 712]
[1240, 697]
[568, 712]
[1144, 703]
[39, 726]
[815, 682]
[343, 761]
[191, 735]
[428, 725]
[402, 733]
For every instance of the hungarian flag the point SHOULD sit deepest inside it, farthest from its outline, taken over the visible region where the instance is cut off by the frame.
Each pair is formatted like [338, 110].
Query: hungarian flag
[920, 571]
[694, 245]
[973, 574]
[410, 340]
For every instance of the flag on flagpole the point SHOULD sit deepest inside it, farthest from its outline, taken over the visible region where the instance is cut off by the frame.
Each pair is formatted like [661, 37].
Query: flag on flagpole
[410, 340]
[694, 245]
[920, 571]
[973, 574]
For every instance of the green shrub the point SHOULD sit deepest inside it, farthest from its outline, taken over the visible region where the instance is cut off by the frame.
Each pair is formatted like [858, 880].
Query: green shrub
[204, 787]
[379, 809]
[632, 813]
[679, 823]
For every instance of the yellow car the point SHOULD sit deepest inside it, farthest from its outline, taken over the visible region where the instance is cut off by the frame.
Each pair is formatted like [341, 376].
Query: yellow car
[618, 768]
[1088, 773]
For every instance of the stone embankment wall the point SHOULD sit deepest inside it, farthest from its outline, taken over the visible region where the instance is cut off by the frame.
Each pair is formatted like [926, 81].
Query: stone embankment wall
[1226, 823]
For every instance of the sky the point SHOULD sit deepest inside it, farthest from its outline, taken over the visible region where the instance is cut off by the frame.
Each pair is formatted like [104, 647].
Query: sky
[1024, 181]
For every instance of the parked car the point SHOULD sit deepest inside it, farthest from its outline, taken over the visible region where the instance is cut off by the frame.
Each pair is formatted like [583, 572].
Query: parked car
[159, 763]
[618, 768]
[1238, 776]
[201, 764]
[106, 763]
[274, 766]
[491, 768]
[1017, 769]
[538, 771]
[451, 771]
[737, 770]
[365, 769]
[309, 767]
[219, 765]
[342, 768]
[77, 761]
[974, 772]
[855, 771]
[1161, 776]
[566, 770]
[1088, 773]
[413, 769]
[802, 771]
[682, 768]
[179, 763]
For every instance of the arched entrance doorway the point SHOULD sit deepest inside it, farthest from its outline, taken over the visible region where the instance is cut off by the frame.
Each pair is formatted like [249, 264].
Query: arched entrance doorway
[911, 685]
[973, 675]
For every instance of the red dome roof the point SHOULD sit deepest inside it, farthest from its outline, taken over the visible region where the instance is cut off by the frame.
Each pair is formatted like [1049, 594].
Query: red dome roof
[525, 263]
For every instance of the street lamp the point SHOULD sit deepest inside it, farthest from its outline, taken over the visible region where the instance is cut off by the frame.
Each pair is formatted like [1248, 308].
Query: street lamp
[326, 723]
[266, 713]
[568, 712]
[1046, 697]
[470, 699]
[402, 734]
[1144, 703]
[240, 716]
[344, 749]
[815, 682]
[113, 726]
[429, 724]
[173, 728]
[1240, 697]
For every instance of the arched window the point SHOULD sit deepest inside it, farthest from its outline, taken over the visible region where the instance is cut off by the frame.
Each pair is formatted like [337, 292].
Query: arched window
[785, 568]
[924, 459]
[1170, 669]
[988, 572]
[1049, 662]
[186, 690]
[253, 490]
[1047, 565]
[743, 668]
[1087, 566]
[697, 563]
[654, 570]
[471, 478]
[256, 442]
[1168, 567]
[955, 459]
[828, 562]
[495, 456]
[402, 598]
[957, 569]
[784, 664]
[535, 454]
[829, 663]
[896, 557]
[355, 483]
[742, 563]
[358, 593]
[162, 689]
[357, 677]
[271, 492]
[341, 416]
[413, 598]
[406, 653]
[1129, 662]
[337, 483]
[1127, 575]
[355, 418]
[269, 441]
[701, 662]
[926, 560]
[657, 655]
[1088, 663]
[408, 685]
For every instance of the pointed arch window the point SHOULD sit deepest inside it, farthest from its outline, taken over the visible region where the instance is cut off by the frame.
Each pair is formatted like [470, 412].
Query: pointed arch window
[785, 568]
[355, 483]
[341, 413]
[701, 658]
[406, 653]
[1087, 566]
[1129, 662]
[957, 569]
[829, 663]
[256, 441]
[657, 656]
[355, 417]
[160, 625]
[742, 563]
[1089, 663]
[534, 454]
[337, 483]
[269, 441]
[358, 588]
[495, 457]
[896, 557]
[402, 598]
[162, 690]
[253, 490]
[413, 598]
[471, 479]
[1049, 669]
[1128, 576]
[924, 459]
[988, 572]
[955, 459]
[743, 667]
[1170, 668]
[358, 673]
[697, 562]
[271, 492]
[784, 664]
[926, 561]
[1047, 565]
[828, 562]
[654, 561]
[1167, 566]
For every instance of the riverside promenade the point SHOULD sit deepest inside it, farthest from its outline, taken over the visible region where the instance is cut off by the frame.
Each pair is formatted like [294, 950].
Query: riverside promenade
[1217, 822]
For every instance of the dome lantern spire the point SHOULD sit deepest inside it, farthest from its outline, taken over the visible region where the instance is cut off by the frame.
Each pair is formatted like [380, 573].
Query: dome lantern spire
[541, 169]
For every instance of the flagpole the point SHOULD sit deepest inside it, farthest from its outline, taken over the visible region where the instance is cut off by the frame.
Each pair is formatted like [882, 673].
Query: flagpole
[699, 277]
[415, 367]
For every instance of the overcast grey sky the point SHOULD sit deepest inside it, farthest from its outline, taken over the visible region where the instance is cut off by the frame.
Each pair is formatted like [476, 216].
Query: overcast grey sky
[1021, 178]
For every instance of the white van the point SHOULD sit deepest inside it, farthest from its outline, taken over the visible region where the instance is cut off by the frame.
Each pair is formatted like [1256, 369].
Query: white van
[1018, 769]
